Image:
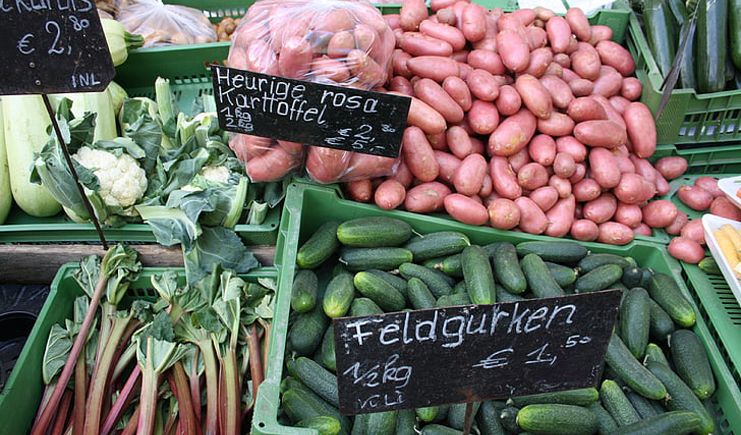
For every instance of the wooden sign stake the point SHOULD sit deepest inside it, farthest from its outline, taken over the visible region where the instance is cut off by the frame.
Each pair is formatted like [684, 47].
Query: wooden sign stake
[467, 420]
[71, 167]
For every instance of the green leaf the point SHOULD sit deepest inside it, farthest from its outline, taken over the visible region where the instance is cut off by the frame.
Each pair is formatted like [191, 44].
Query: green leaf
[217, 245]
[87, 274]
[166, 284]
[58, 346]
[171, 226]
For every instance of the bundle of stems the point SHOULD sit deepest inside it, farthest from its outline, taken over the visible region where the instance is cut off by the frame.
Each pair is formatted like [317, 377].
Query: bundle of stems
[186, 359]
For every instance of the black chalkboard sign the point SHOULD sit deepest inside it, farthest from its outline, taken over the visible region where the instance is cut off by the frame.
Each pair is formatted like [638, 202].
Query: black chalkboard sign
[449, 355]
[309, 113]
[52, 46]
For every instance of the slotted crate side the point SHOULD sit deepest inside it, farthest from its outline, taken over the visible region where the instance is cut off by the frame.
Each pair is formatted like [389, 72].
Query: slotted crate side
[308, 206]
[22, 394]
[717, 160]
[689, 119]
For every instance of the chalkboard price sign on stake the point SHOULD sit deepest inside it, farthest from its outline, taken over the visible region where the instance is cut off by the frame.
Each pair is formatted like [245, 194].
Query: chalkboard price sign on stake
[441, 356]
[309, 113]
[53, 46]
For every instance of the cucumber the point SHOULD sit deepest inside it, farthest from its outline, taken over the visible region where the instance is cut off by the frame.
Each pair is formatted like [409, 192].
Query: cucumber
[691, 362]
[673, 423]
[290, 382]
[460, 287]
[439, 429]
[661, 325]
[319, 247]
[374, 232]
[709, 266]
[664, 290]
[487, 418]
[681, 397]
[356, 259]
[437, 285]
[439, 244]
[593, 261]
[326, 351]
[307, 331]
[457, 414]
[303, 404]
[364, 307]
[451, 266]
[579, 397]
[734, 31]
[678, 11]
[654, 354]
[630, 370]
[508, 418]
[632, 276]
[304, 291]
[432, 414]
[540, 282]
[380, 291]
[710, 45]
[398, 282]
[661, 34]
[599, 278]
[556, 418]
[454, 300]
[562, 252]
[338, 295]
[687, 76]
[605, 423]
[322, 424]
[635, 320]
[447, 278]
[643, 406]
[360, 424]
[478, 275]
[406, 422]
[564, 275]
[420, 295]
[316, 377]
[504, 296]
[382, 423]
[507, 268]
[617, 404]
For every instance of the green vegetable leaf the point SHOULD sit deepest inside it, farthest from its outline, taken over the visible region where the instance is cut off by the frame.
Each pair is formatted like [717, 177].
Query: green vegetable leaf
[171, 226]
[217, 245]
[166, 284]
[58, 345]
[87, 273]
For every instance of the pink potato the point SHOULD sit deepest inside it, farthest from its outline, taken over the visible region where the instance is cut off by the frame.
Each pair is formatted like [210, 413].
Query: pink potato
[403, 175]
[586, 190]
[581, 87]
[465, 209]
[483, 85]
[542, 149]
[458, 90]
[560, 217]
[559, 34]
[545, 197]
[540, 60]
[601, 133]
[519, 159]
[679, 222]
[483, 116]
[512, 134]
[419, 155]
[723, 207]
[534, 95]
[559, 90]
[710, 184]
[562, 185]
[570, 145]
[390, 194]
[686, 249]
[615, 55]
[504, 178]
[558, 124]
[426, 197]
[469, 177]
[695, 197]
[503, 214]
[601, 209]
[662, 186]
[532, 218]
[641, 128]
[564, 165]
[619, 103]
[486, 60]
[513, 49]
[448, 165]
[532, 176]
[509, 101]
[629, 215]
[579, 173]
[604, 167]
[458, 141]
[360, 190]
[584, 230]
[643, 230]
[694, 230]
[586, 109]
[634, 189]
[631, 89]
[615, 233]
[660, 213]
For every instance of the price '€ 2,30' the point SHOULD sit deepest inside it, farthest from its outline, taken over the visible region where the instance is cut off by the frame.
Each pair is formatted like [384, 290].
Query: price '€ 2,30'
[53, 46]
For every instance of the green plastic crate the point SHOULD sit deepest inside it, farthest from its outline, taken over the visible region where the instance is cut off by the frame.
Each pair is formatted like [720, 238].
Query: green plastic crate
[689, 119]
[718, 159]
[308, 206]
[22, 228]
[22, 394]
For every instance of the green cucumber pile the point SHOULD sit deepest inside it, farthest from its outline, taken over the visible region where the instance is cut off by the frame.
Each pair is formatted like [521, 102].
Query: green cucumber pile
[657, 376]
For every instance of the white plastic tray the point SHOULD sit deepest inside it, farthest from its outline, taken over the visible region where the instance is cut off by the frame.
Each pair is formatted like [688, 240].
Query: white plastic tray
[711, 223]
[730, 187]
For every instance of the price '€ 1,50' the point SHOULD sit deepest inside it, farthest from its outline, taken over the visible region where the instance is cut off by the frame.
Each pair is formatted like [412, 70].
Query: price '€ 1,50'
[53, 46]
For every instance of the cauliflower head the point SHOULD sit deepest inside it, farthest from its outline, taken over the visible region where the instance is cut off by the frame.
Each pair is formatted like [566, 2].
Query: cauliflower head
[122, 180]
[216, 173]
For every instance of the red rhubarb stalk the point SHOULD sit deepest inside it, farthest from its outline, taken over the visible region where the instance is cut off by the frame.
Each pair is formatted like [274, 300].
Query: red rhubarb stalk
[122, 401]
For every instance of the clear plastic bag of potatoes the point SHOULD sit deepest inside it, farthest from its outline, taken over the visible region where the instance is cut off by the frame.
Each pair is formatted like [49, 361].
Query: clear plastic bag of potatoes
[162, 24]
[334, 42]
